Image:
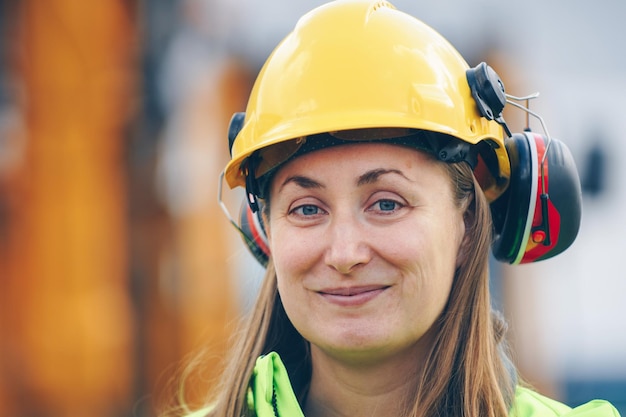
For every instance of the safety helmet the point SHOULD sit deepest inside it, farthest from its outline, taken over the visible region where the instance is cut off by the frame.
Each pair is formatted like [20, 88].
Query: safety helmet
[362, 64]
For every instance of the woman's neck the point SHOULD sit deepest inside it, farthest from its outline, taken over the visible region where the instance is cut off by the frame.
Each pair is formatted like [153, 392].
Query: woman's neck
[341, 388]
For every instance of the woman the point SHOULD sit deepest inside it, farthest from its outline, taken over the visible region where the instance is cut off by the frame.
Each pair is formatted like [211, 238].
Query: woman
[375, 158]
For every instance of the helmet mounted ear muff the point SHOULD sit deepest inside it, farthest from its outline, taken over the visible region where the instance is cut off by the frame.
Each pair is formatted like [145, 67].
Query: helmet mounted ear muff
[539, 214]
[530, 179]
[253, 232]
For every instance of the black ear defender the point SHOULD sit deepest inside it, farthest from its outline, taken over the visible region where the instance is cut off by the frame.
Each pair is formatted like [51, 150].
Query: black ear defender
[539, 214]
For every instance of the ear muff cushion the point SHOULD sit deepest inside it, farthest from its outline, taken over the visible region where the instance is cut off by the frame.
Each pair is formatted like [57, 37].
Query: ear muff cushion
[564, 190]
[253, 233]
[519, 213]
[511, 211]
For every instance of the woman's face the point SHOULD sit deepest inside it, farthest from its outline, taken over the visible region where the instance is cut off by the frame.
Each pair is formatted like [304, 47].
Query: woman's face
[364, 239]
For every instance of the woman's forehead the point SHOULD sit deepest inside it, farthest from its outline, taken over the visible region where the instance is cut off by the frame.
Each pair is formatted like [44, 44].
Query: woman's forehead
[357, 161]
[354, 154]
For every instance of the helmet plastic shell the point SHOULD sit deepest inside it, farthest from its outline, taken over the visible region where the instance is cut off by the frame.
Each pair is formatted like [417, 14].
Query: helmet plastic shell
[353, 64]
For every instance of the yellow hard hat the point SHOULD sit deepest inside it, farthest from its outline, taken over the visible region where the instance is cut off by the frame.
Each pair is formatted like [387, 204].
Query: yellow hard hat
[362, 64]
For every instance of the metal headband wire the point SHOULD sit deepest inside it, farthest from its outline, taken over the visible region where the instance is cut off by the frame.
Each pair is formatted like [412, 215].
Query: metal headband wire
[225, 209]
[514, 101]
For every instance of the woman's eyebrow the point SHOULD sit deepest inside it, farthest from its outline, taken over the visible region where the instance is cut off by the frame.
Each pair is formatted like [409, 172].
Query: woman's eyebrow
[372, 176]
[302, 181]
[367, 178]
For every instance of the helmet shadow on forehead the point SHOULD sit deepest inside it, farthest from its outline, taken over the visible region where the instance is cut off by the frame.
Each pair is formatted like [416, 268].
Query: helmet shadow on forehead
[265, 163]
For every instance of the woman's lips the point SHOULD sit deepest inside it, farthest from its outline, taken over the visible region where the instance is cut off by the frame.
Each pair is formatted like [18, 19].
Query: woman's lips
[352, 296]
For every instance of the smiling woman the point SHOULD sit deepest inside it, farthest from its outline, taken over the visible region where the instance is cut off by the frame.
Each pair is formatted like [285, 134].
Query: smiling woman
[338, 235]
[375, 160]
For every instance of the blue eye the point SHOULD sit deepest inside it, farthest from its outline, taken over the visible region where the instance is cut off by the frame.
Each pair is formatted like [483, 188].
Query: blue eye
[387, 205]
[307, 210]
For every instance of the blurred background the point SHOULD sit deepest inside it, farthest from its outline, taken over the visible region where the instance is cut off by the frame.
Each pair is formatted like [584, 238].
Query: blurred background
[117, 266]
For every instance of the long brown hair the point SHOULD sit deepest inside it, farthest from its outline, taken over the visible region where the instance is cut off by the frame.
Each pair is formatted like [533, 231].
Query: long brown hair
[466, 373]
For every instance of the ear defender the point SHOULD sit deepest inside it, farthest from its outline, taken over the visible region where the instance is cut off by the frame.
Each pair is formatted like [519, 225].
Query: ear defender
[253, 233]
[250, 222]
[539, 214]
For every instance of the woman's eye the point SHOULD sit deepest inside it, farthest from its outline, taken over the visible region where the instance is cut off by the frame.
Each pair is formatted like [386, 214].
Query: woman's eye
[386, 206]
[306, 210]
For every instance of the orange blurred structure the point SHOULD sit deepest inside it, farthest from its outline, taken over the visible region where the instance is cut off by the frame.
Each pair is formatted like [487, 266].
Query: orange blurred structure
[66, 323]
[104, 294]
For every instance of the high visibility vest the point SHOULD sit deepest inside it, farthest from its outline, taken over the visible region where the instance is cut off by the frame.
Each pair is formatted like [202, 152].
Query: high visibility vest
[271, 395]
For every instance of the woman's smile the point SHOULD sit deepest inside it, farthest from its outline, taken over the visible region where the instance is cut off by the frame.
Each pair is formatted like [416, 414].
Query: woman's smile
[353, 296]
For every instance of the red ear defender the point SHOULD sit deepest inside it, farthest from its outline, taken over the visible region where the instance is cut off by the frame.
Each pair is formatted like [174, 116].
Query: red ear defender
[539, 215]
[253, 232]
[249, 225]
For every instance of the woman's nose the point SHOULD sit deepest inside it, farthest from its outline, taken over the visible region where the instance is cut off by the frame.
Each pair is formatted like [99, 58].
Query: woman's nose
[347, 246]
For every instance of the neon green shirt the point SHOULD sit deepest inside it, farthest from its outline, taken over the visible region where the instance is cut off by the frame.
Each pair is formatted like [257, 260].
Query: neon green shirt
[270, 390]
